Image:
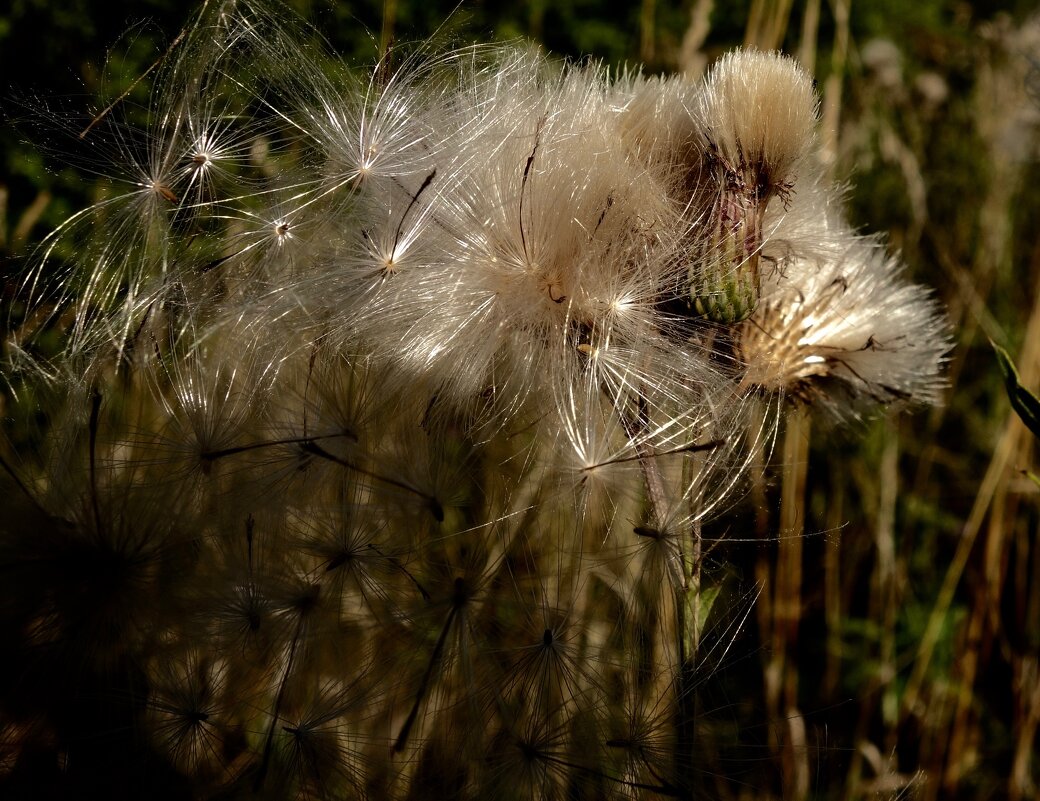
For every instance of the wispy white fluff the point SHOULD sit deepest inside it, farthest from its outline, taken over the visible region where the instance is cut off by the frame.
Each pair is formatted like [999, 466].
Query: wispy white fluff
[846, 333]
[508, 238]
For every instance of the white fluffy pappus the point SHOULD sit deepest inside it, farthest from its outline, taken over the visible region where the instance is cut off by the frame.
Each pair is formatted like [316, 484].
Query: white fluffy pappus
[845, 334]
[504, 234]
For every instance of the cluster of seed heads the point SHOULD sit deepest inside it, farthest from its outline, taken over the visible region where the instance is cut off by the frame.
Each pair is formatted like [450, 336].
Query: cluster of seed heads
[388, 408]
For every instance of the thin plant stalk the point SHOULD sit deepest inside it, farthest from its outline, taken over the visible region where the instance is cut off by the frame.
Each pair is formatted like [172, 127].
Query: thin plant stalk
[787, 601]
[689, 627]
[767, 23]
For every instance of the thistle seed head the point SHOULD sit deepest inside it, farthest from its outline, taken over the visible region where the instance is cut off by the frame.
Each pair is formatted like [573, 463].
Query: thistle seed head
[756, 116]
[845, 335]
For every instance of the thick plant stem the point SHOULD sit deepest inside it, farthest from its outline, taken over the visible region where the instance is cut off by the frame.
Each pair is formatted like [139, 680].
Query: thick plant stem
[689, 611]
[787, 603]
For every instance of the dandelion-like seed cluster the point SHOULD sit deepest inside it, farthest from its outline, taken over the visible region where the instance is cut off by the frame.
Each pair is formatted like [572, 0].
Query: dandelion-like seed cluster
[388, 405]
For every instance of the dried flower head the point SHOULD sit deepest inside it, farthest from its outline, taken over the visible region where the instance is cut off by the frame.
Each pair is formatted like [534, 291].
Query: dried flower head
[845, 333]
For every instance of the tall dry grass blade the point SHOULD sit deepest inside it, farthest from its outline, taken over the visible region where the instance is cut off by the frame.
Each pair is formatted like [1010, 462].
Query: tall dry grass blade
[647, 30]
[767, 24]
[1026, 682]
[832, 88]
[692, 60]
[886, 574]
[810, 33]
[386, 32]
